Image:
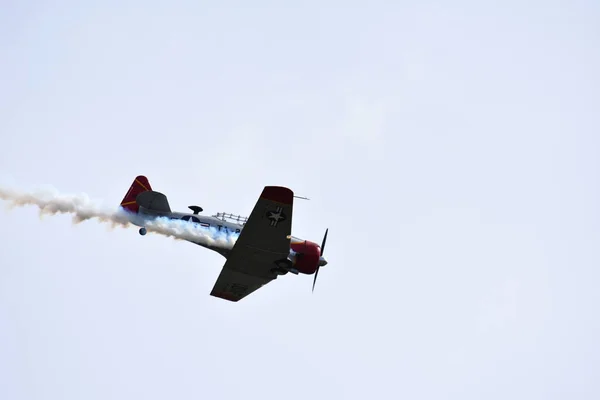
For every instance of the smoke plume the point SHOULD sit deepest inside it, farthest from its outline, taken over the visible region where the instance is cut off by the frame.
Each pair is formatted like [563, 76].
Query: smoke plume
[50, 201]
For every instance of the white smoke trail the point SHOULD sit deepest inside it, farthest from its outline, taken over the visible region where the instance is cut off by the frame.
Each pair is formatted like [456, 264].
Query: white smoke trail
[50, 202]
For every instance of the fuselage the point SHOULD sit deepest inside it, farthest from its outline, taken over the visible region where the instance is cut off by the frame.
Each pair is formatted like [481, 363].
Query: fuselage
[304, 255]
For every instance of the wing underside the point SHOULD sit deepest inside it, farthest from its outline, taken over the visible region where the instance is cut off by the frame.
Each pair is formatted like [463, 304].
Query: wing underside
[263, 242]
[234, 285]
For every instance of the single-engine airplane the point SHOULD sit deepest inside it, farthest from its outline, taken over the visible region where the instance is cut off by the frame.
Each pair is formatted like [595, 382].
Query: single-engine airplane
[264, 249]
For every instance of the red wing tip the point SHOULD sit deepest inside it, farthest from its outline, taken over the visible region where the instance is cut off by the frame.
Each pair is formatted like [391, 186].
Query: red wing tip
[278, 194]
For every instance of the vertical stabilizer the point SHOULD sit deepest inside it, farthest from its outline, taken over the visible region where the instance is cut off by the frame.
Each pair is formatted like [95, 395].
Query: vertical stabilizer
[140, 185]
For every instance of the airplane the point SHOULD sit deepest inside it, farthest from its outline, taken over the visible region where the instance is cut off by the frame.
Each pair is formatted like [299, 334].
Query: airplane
[264, 248]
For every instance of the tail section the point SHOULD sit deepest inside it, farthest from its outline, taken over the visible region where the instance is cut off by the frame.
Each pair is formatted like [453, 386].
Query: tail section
[140, 185]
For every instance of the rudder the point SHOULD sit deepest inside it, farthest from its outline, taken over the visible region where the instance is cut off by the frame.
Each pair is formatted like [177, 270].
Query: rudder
[140, 185]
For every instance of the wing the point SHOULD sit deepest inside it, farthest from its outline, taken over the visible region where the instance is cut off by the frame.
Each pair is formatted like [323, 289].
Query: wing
[263, 242]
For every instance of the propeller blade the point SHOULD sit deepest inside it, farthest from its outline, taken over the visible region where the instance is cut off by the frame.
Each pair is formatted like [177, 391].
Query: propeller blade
[322, 249]
[324, 240]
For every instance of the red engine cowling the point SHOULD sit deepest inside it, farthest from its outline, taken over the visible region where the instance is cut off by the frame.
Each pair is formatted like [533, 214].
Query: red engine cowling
[307, 256]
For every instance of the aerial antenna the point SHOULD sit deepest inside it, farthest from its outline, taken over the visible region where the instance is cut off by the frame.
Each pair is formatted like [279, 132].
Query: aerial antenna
[303, 198]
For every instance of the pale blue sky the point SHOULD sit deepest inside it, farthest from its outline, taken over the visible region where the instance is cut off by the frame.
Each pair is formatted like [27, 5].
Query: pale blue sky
[451, 148]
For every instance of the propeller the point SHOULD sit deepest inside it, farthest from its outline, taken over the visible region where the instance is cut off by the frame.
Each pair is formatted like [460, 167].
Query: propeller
[322, 251]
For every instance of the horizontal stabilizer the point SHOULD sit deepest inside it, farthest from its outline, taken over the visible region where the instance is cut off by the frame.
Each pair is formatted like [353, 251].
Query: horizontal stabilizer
[153, 201]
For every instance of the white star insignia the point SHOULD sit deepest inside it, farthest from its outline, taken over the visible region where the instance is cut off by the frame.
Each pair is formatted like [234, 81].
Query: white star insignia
[275, 216]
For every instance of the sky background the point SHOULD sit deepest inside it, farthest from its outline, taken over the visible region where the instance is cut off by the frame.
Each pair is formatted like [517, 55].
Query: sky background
[450, 148]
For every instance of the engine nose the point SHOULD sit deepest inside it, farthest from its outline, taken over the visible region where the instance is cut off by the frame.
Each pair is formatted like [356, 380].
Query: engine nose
[322, 261]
